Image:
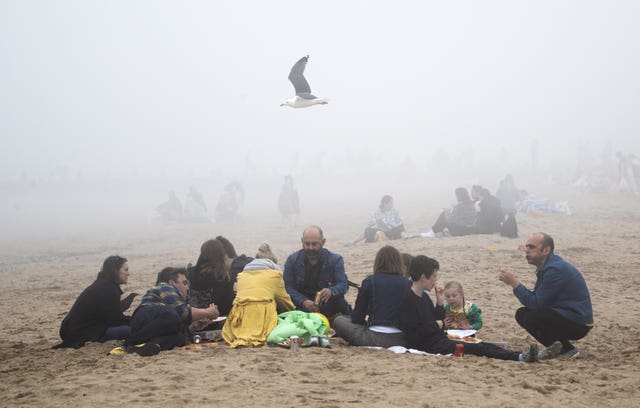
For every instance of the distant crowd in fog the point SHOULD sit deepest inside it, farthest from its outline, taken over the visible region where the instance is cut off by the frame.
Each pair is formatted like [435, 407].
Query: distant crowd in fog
[609, 172]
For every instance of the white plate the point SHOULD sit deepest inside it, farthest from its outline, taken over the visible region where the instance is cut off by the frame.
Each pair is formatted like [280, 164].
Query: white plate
[462, 333]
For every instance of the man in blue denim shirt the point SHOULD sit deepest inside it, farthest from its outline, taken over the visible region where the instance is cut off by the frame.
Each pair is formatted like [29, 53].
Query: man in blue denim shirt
[559, 306]
[315, 273]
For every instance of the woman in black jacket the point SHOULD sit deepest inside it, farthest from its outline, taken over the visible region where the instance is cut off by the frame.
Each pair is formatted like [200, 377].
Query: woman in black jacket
[375, 319]
[97, 315]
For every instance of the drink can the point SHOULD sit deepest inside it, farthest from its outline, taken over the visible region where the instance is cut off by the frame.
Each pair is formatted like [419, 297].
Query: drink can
[197, 339]
[294, 343]
[459, 350]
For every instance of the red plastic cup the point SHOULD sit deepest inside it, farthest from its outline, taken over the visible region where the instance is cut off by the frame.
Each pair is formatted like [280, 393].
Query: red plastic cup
[459, 350]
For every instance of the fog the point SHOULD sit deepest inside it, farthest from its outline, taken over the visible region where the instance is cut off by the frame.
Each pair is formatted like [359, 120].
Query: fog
[105, 106]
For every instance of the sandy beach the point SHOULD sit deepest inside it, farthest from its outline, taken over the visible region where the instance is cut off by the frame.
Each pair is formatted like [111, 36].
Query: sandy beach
[41, 280]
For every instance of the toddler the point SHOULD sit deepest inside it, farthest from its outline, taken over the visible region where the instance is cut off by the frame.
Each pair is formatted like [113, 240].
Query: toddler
[460, 314]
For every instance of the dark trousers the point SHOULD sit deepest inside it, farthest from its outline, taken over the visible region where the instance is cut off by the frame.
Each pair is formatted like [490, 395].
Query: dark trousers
[446, 346]
[393, 233]
[454, 229]
[548, 326]
[157, 324]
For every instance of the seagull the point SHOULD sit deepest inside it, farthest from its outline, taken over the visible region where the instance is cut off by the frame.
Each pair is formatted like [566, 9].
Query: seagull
[303, 97]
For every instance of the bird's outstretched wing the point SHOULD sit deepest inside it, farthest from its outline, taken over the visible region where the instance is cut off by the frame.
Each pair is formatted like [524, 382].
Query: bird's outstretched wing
[296, 76]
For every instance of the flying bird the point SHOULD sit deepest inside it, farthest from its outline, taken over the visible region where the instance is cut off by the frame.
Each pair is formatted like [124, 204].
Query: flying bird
[303, 97]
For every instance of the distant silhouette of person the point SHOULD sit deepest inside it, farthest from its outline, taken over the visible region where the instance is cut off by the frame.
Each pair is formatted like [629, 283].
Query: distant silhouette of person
[288, 201]
[508, 195]
[170, 210]
[227, 207]
[195, 208]
[626, 176]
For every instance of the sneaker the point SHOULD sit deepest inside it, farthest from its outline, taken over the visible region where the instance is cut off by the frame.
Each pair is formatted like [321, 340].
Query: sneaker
[324, 342]
[144, 350]
[571, 354]
[531, 355]
[550, 352]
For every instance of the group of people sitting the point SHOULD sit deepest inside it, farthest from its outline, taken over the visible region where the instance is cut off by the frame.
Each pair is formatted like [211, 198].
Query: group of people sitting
[172, 211]
[477, 213]
[392, 307]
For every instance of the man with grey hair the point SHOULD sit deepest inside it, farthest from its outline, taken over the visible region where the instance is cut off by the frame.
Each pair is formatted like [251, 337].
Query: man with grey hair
[315, 278]
[559, 306]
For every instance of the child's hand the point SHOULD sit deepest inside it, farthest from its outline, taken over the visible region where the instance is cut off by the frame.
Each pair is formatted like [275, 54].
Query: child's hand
[447, 322]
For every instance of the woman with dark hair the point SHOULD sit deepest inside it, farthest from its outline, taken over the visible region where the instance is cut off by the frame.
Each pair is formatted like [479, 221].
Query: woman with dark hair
[209, 280]
[375, 318]
[238, 262]
[384, 224]
[97, 315]
[458, 221]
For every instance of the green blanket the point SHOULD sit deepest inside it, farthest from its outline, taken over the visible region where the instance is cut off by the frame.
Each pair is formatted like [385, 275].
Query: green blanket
[298, 323]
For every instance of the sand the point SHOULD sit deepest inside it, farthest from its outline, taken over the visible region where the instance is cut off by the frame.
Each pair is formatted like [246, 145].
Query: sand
[41, 280]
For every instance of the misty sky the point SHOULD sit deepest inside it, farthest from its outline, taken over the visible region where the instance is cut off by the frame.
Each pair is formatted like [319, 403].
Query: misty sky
[144, 88]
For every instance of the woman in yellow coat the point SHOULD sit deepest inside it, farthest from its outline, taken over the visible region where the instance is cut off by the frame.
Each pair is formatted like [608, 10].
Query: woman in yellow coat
[261, 296]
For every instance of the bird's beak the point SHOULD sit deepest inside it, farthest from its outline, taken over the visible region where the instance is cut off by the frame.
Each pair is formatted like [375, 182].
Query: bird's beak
[282, 104]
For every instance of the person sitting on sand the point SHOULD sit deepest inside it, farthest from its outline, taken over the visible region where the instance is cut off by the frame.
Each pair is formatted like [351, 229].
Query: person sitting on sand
[460, 313]
[228, 205]
[161, 320]
[314, 273]
[559, 306]
[261, 297]
[195, 209]
[170, 210]
[209, 279]
[375, 318]
[384, 224]
[422, 323]
[458, 221]
[97, 314]
[490, 216]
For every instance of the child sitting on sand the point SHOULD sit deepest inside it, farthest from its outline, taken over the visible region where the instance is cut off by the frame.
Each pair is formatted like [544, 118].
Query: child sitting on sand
[460, 314]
